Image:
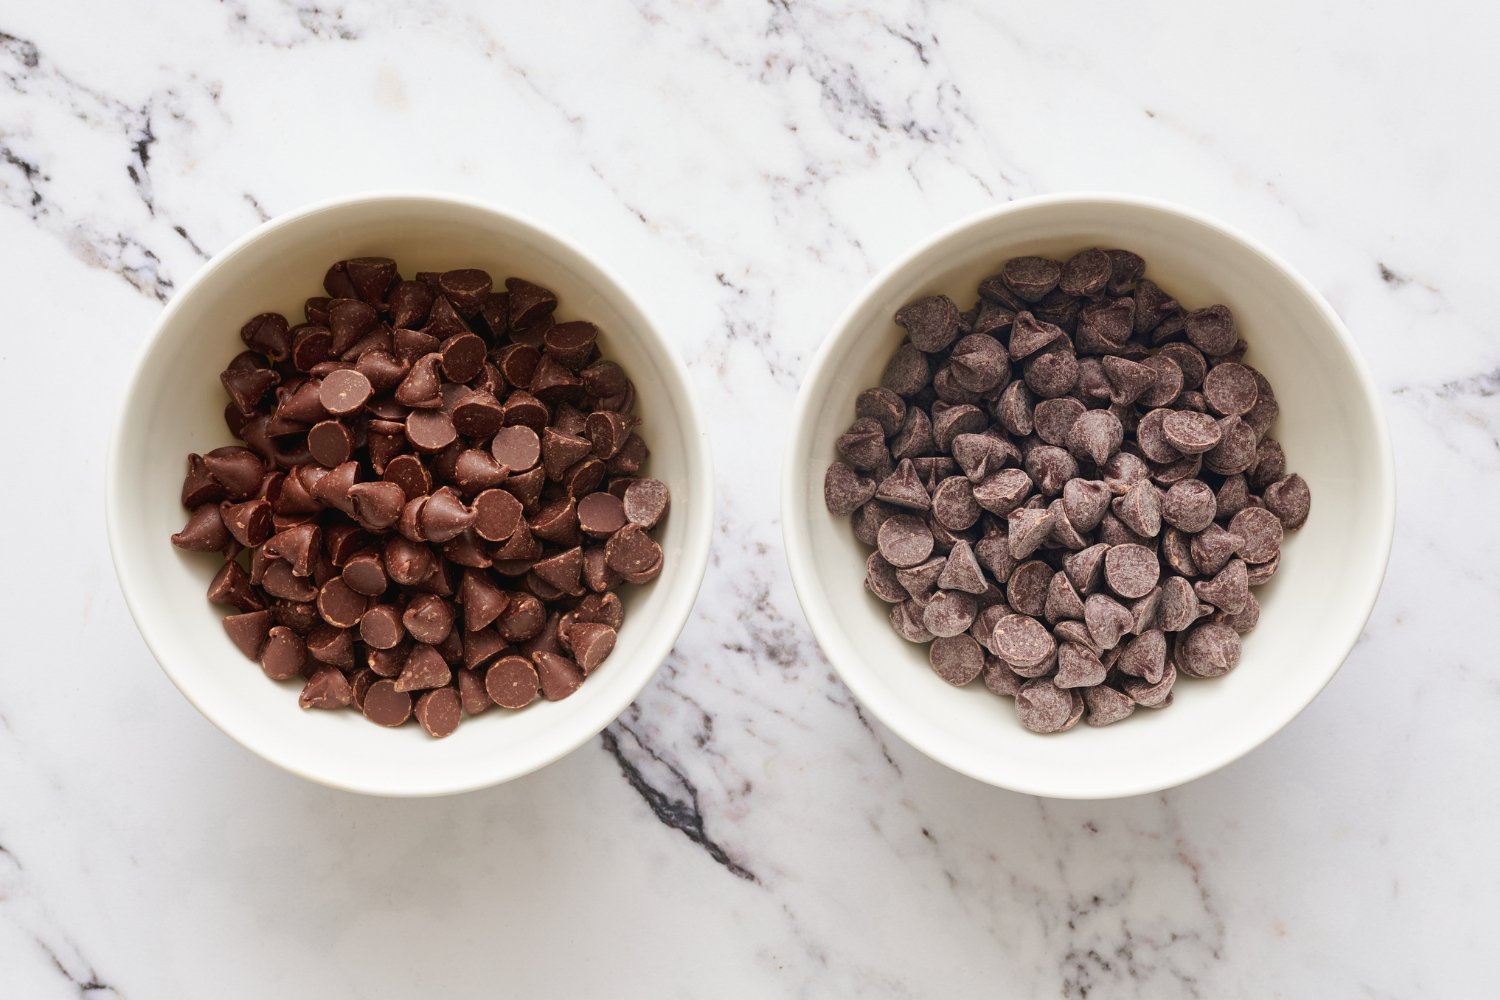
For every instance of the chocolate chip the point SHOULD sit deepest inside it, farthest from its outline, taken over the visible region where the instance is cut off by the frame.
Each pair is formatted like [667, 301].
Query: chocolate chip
[385, 705]
[1211, 330]
[633, 554]
[646, 502]
[1026, 590]
[1107, 621]
[979, 363]
[1209, 649]
[559, 676]
[1290, 500]
[1030, 278]
[1175, 442]
[1086, 273]
[1043, 707]
[1022, 641]
[931, 323]
[1052, 420]
[1050, 468]
[1106, 705]
[1078, 667]
[957, 659]
[1095, 435]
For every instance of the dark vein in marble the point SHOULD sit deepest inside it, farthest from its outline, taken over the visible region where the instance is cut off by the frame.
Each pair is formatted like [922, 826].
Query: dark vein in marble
[316, 23]
[88, 982]
[859, 713]
[677, 808]
[1391, 277]
[254, 203]
[33, 176]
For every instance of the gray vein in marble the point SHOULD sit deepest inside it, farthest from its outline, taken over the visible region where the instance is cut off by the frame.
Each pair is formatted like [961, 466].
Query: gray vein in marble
[289, 24]
[58, 948]
[665, 787]
[99, 244]
[255, 204]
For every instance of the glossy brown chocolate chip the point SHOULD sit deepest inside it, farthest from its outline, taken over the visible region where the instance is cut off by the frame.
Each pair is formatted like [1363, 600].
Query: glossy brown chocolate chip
[601, 514]
[430, 430]
[385, 705]
[439, 712]
[591, 643]
[444, 516]
[559, 676]
[424, 669]
[248, 631]
[283, 654]
[511, 682]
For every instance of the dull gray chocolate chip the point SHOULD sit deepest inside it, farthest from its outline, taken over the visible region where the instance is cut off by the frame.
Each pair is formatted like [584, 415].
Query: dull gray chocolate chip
[1078, 667]
[1043, 707]
[1212, 548]
[1140, 509]
[1085, 568]
[953, 504]
[1209, 649]
[1189, 505]
[1026, 590]
[957, 659]
[1106, 619]
[1190, 432]
[844, 490]
[1050, 468]
[1106, 706]
[1062, 600]
[906, 619]
[1131, 570]
[903, 488]
[908, 372]
[1054, 418]
[904, 540]
[961, 570]
[1290, 500]
[1022, 641]
[1028, 528]
[1228, 590]
[949, 613]
[1179, 605]
[1261, 534]
[1004, 491]
[1145, 656]
[1096, 435]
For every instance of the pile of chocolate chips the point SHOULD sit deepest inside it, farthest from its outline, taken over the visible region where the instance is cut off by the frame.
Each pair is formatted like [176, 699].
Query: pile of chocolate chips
[1070, 488]
[438, 495]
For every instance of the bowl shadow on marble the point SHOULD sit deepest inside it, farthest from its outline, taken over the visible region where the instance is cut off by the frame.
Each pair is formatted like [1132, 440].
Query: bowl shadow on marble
[1331, 426]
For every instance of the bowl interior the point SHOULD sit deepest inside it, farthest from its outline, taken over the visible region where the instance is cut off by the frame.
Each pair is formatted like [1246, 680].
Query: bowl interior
[1313, 609]
[175, 406]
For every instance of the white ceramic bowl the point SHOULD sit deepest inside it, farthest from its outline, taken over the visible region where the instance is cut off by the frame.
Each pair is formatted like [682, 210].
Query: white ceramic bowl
[174, 404]
[1313, 609]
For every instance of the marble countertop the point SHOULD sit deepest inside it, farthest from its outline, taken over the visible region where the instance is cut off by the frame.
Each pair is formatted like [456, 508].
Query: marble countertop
[745, 830]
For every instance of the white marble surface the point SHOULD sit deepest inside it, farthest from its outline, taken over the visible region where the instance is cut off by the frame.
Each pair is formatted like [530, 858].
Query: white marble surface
[744, 831]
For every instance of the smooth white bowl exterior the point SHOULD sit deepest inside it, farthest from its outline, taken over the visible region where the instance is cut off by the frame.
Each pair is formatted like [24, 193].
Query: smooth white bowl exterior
[1313, 610]
[174, 404]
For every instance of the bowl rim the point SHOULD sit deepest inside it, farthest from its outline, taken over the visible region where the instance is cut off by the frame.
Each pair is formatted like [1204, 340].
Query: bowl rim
[693, 561]
[796, 530]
